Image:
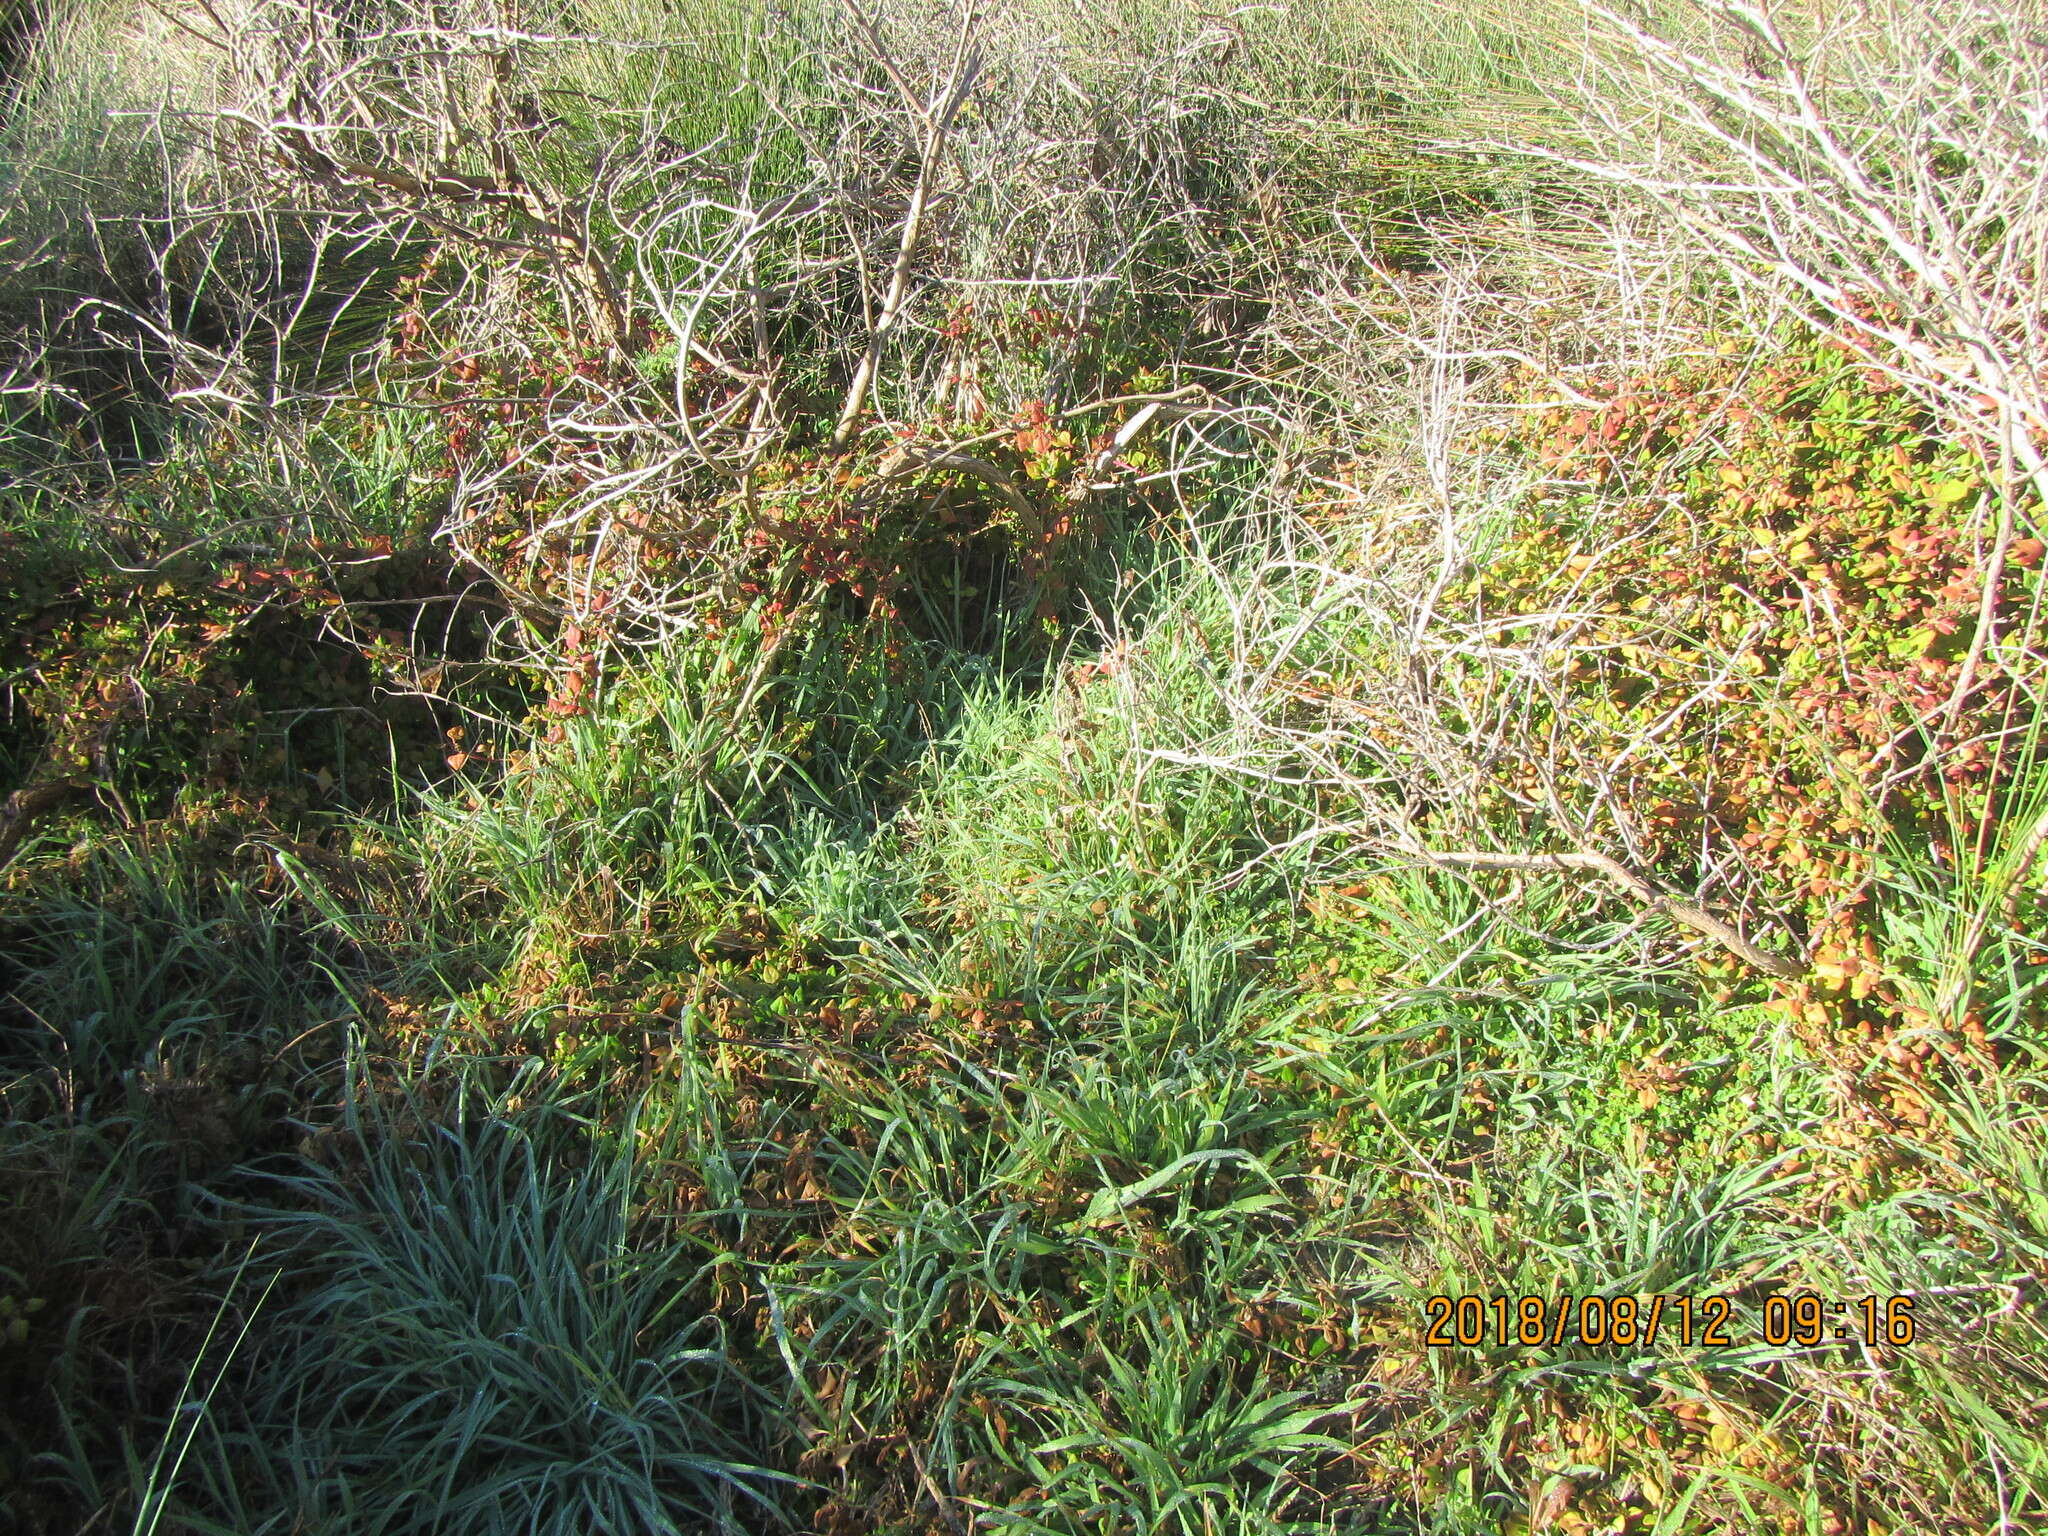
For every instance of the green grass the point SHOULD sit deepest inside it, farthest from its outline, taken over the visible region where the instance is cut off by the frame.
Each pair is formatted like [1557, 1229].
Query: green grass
[475, 1343]
[1051, 1142]
[964, 1066]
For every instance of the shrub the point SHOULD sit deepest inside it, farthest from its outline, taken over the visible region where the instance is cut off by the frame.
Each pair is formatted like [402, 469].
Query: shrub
[1774, 641]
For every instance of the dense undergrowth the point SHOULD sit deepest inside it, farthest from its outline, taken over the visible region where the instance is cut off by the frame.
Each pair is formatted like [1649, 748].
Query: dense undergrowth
[799, 769]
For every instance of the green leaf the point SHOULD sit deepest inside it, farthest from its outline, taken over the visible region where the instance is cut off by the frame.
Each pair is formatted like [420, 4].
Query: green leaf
[1108, 1202]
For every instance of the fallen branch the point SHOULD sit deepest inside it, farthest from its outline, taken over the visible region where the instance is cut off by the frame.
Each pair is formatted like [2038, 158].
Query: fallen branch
[1696, 918]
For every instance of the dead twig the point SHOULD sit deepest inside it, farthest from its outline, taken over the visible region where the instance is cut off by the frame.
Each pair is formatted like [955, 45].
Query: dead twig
[1694, 917]
[938, 122]
[988, 474]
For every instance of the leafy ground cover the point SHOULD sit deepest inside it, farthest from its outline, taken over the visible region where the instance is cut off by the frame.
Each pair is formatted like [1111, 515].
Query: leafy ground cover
[916, 889]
